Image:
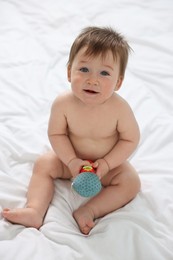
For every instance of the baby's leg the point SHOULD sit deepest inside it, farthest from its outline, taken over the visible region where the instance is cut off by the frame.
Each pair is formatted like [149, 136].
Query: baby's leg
[121, 185]
[40, 192]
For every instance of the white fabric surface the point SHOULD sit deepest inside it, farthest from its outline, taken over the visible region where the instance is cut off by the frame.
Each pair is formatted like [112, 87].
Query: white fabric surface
[35, 38]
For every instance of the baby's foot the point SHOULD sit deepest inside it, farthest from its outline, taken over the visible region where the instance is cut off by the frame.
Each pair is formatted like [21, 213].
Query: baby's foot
[84, 218]
[27, 217]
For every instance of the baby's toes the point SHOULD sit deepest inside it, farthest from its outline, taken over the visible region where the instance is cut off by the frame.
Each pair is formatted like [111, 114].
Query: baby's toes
[87, 226]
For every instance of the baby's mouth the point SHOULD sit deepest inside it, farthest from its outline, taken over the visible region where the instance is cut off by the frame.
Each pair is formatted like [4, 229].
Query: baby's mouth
[90, 91]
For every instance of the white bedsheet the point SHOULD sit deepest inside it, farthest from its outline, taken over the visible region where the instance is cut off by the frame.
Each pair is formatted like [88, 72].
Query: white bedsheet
[35, 37]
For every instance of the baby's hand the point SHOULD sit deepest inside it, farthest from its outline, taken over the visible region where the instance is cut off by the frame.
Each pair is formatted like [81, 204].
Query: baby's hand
[102, 167]
[75, 166]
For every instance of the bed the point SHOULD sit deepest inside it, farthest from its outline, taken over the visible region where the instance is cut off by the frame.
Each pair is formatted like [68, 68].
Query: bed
[35, 38]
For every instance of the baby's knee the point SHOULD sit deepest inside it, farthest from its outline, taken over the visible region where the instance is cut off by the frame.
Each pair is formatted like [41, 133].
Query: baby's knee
[128, 179]
[134, 183]
[131, 182]
[47, 164]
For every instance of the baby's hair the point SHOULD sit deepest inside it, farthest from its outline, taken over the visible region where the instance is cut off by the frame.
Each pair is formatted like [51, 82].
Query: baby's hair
[99, 41]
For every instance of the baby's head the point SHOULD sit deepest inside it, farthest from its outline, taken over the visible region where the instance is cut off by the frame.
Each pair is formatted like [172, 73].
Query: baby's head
[98, 42]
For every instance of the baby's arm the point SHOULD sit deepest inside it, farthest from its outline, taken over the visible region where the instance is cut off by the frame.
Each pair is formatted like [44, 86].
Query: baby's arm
[129, 136]
[57, 133]
[128, 140]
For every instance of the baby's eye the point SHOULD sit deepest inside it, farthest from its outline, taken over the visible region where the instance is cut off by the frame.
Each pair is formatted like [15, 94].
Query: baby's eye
[84, 69]
[104, 73]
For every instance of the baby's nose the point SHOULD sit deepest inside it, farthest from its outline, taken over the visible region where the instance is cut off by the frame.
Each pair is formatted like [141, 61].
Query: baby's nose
[92, 81]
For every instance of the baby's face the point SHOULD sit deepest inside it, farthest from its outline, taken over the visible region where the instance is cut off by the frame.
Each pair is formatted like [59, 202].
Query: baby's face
[94, 79]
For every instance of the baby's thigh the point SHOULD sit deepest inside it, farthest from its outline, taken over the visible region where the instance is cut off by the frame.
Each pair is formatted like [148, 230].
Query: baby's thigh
[124, 175]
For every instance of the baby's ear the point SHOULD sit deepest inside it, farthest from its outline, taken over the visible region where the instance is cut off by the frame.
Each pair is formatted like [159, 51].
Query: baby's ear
[69, 73]
[119, 83]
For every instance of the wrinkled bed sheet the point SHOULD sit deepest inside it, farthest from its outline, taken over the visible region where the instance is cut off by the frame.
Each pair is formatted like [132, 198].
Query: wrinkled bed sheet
[35, 37]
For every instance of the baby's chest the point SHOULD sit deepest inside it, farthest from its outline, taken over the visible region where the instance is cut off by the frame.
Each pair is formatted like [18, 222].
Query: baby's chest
[92, 126]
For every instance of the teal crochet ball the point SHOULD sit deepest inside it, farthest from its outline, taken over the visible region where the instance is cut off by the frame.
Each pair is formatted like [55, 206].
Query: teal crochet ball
[87, 184]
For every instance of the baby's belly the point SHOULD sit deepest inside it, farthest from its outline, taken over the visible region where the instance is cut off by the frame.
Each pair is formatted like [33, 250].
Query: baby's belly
[92, 149]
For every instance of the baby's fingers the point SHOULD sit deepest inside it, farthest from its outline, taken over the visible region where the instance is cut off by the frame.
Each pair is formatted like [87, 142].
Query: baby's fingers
[85, 162]
[95, 164]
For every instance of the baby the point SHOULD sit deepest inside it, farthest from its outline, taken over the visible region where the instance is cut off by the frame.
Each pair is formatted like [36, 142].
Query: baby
[90, 122]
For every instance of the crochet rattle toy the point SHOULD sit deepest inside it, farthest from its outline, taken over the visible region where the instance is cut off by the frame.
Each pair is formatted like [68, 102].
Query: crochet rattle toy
[87, 183]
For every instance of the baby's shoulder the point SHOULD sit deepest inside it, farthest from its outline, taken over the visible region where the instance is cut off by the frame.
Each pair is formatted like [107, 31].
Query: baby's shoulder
[62, 99]
[120, 106]
[119, 101]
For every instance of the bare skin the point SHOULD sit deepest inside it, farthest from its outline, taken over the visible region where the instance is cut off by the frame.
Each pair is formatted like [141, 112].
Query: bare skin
[91, 122]
[33, 214]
